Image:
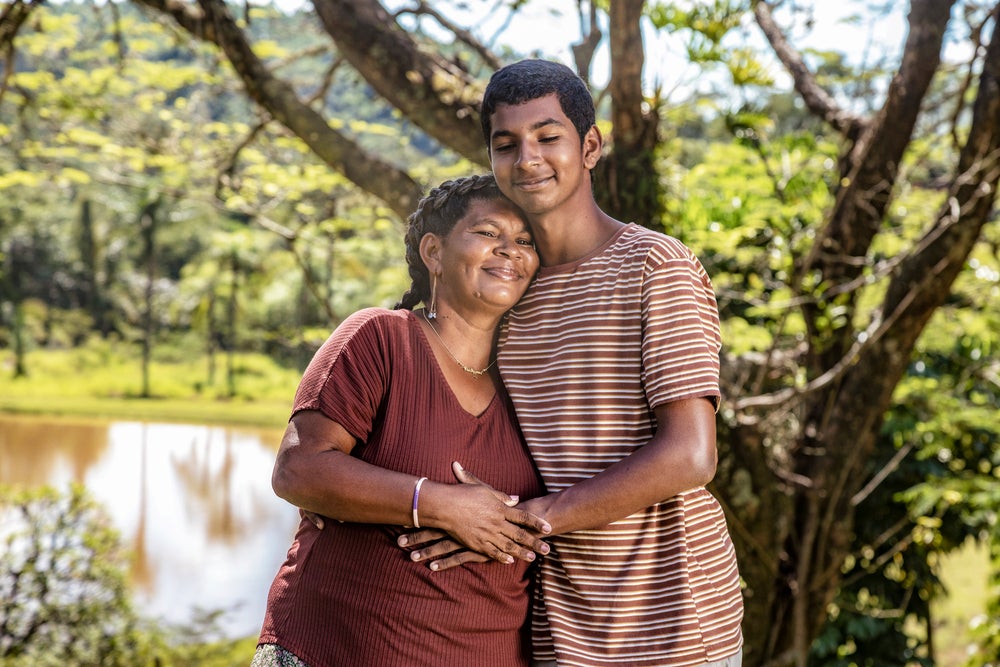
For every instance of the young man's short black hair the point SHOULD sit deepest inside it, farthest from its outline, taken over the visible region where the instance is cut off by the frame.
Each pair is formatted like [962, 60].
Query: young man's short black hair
[530, 79]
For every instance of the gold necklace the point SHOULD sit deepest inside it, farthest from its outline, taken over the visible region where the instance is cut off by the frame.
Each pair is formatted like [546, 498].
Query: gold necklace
[470, 371]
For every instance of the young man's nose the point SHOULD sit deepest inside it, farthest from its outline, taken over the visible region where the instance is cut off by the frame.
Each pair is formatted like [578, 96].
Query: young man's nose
[527, 155]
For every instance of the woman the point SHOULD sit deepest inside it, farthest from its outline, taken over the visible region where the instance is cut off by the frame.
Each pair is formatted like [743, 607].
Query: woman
[384, 408]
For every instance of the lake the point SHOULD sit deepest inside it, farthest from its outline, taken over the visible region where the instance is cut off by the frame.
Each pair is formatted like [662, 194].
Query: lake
[192, 503]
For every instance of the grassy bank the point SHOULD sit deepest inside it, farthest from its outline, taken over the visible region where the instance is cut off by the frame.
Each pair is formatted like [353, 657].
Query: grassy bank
[99, 381]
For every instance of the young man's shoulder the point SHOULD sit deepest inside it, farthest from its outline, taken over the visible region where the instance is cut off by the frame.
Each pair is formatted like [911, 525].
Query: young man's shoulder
[639, 238]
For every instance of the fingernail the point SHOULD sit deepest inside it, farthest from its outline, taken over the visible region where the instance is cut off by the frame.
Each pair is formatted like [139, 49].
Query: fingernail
[415, 555]
[508, 559]
[531, 555]
[545, 548]
[459, 465]
[434, 566]
[516, 499]
[403, 540]
[546, 528]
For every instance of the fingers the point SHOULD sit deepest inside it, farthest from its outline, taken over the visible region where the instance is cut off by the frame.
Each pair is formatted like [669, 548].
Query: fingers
[466, 477]
[420, 537]
[439, 549]
[530, 521]
[458, 558]
[446, 547]
[505, 550]
[523, 542]
[463, 475]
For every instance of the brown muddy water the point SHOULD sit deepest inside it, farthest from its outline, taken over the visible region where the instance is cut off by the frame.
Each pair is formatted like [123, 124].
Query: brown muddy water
[192, 503]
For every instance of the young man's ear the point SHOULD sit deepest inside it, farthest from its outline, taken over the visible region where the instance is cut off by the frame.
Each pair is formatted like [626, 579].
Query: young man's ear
[593, 146]
[430, 252]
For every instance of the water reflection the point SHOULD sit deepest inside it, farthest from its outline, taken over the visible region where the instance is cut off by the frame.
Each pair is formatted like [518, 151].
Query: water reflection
[193, 503]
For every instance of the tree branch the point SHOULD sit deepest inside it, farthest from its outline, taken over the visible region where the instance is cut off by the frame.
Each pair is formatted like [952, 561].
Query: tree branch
[12, 17]
[211, 21]
[437, 95]
[874, 160]
[460, 33]
[583, 52]
[816, 99]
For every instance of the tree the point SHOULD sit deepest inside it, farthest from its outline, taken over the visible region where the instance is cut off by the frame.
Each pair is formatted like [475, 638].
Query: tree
[828, 292]
[810, 473]
[62, 577]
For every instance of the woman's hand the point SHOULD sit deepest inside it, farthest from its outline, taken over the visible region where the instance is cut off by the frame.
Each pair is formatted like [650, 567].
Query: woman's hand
[483, 524]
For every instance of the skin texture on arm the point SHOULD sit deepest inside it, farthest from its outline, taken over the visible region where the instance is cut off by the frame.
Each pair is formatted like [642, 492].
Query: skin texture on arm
[680, 456]
[315, 471]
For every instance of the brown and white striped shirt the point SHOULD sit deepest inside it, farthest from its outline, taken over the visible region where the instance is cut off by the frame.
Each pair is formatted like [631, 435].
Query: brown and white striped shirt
[586, 355]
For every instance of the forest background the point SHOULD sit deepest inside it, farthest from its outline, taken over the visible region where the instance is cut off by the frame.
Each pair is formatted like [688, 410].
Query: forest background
[192, 194]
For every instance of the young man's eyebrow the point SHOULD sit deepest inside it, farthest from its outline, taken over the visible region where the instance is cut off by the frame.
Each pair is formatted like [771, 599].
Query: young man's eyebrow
[536, 126]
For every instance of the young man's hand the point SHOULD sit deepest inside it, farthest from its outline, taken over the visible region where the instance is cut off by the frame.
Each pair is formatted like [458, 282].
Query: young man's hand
[442, 551]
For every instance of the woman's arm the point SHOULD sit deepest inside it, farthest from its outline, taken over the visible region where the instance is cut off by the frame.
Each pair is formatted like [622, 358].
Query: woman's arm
[315, 471]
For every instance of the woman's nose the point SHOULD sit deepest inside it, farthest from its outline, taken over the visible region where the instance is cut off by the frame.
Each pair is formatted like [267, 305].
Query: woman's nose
[508, 247]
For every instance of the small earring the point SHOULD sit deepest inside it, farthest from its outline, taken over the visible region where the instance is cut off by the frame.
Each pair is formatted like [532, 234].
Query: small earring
[432, 310]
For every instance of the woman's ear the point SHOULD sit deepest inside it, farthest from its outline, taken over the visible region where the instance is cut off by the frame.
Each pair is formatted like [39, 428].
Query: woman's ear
[593, 145]
[430, 252]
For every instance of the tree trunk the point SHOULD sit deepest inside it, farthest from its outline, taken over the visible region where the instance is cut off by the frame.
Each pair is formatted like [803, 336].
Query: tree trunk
[626, 182]
[794, 459]
[147, 227]
[210, 333]
[231, 314]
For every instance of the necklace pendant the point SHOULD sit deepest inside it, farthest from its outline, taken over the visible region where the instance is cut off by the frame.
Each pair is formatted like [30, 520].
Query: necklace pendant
[471, 371]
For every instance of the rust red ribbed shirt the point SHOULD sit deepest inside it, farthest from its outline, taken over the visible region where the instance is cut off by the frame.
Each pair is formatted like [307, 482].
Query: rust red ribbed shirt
[348, 595]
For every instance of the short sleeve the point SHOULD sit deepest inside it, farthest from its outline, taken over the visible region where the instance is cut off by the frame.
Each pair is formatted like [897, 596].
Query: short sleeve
[347, 378]
[681, 339]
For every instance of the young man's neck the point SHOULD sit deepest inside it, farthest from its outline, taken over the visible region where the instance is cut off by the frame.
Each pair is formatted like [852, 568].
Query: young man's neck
[561, 239]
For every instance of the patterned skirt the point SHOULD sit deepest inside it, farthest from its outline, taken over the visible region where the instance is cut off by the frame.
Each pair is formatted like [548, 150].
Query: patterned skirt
[272, 655]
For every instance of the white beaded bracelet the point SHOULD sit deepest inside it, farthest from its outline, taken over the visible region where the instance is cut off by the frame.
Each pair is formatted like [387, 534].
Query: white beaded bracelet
[416, 499]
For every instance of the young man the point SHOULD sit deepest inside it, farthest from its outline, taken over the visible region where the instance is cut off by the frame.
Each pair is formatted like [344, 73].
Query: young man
[612, 361]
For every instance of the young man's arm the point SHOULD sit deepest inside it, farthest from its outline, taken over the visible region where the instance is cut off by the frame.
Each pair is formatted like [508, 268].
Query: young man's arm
[681, 455]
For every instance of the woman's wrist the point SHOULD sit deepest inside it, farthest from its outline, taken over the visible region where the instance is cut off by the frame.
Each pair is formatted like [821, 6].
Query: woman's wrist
[415, 507]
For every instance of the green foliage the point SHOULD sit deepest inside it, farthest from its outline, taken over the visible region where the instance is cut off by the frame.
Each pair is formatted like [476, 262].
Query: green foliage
[753, 207]
[66, 597]
[253, 240]
[62, 581]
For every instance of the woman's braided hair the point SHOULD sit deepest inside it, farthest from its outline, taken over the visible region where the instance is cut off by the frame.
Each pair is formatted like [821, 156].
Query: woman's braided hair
[437, 213]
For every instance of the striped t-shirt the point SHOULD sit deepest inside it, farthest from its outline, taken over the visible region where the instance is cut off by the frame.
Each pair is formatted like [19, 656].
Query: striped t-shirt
[586, 355]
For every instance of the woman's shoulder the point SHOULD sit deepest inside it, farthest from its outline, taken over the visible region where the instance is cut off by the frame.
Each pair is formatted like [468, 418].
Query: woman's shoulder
[380, 316]
[372, 323]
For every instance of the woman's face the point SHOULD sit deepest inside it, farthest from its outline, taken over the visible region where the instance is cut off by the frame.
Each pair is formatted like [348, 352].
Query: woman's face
[487, 260]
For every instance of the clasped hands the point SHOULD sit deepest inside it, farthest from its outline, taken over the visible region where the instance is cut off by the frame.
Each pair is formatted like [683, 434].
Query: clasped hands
[513, 536]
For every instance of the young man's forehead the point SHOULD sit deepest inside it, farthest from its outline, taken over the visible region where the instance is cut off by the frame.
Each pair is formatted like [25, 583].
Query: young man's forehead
[535, 114]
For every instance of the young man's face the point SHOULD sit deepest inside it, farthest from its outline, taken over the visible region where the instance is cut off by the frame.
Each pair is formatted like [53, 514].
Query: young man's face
[537, 158]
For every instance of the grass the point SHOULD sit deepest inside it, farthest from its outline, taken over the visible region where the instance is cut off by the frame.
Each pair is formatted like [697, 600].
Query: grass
[965, 574]
[99, 381]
